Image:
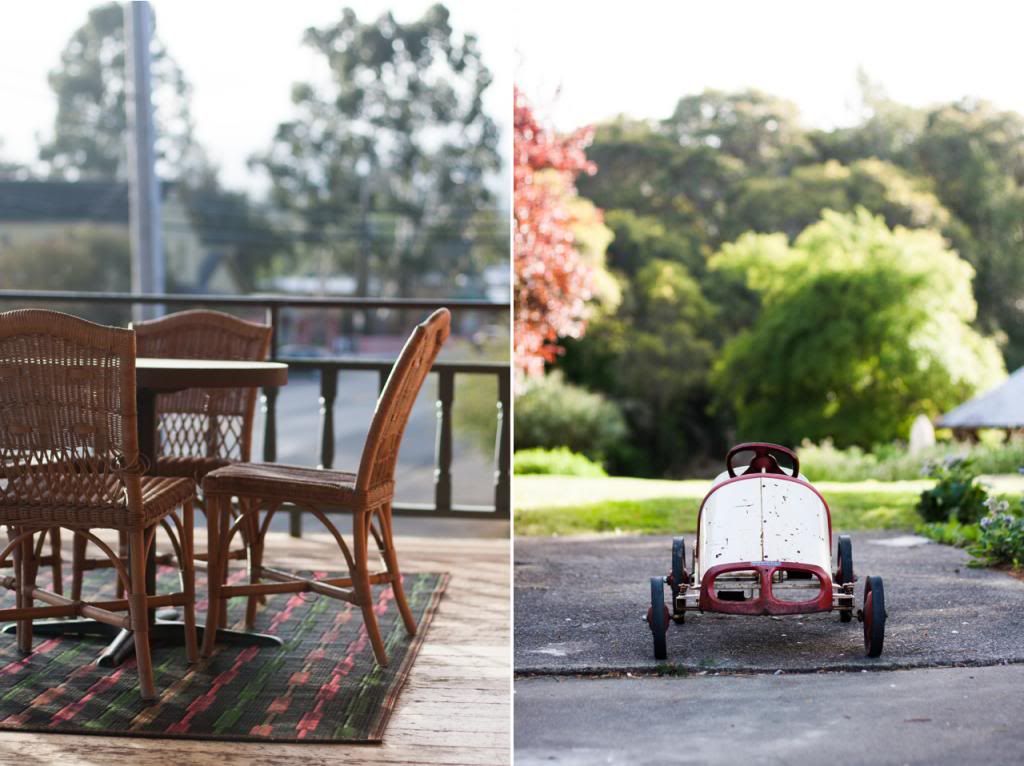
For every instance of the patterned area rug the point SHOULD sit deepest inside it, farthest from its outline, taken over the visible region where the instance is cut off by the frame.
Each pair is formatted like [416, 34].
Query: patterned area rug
[322, 685]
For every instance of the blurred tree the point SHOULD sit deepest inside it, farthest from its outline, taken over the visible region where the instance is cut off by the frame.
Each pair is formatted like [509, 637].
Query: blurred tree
[975, 154]
[761, 131]
[652, 357]
[886, 130]
[398, 127]
[84, 257]
[793, 202]
[552, 281]
[89, 131]
[230, 219]
[639, 239]
[862, 328]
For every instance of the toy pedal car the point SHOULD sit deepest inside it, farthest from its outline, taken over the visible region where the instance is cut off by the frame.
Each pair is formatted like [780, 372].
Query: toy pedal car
[763, 548]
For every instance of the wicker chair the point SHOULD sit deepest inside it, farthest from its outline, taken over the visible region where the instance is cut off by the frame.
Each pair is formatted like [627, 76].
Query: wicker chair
[200, 429]
[367, 495]
[70, 456]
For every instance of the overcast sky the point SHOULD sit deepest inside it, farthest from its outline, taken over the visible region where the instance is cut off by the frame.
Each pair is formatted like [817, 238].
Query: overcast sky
[241, 57]
[639, 57]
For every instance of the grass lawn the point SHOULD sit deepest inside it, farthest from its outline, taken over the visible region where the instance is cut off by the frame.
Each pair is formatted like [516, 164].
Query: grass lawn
[563, 505]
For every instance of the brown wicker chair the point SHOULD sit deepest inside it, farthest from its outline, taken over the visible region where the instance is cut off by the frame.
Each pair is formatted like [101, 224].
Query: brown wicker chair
[70, 456]
[199, 429]
[367, 495]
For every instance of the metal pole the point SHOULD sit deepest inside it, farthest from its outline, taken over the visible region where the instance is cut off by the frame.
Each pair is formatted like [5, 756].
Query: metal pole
[143, 184]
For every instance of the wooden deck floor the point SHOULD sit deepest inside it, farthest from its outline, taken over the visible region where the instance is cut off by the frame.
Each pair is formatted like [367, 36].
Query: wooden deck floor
[455, 708]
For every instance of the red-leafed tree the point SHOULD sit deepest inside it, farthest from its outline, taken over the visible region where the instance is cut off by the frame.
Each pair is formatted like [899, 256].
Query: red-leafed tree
[552, 281]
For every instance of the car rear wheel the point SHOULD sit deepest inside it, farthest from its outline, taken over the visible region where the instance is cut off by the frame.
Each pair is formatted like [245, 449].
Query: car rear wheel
[658, 617]
[874, 616]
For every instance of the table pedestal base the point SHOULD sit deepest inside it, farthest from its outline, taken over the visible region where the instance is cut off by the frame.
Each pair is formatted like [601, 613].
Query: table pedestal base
[122, 643]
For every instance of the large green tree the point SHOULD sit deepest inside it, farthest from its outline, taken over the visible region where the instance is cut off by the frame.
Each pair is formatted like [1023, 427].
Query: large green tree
[395, 136]
[90, 127]
[862, 328]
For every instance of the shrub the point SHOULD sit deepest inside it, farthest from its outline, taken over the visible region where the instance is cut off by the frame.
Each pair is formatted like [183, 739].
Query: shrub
[551, 413]
[1001, 538]
[956, 494]
[951, 533]
[559, 462]
[825, 462]
[892, 462]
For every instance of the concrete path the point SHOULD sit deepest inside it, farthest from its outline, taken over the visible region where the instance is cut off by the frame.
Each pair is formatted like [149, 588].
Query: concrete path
[939, 716]
[579, 602]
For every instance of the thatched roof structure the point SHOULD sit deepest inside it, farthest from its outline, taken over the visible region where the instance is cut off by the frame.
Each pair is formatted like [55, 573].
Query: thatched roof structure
[1001, 407]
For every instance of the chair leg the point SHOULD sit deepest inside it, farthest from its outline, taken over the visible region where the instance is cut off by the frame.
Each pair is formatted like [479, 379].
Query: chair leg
[23, 627]
[188, 568]
[213, 566]
[56, 562]
[78, 545]
[391, 560]
[27, 583]
[361, 583]
[254, 547]
[138, 611]
[122, 551]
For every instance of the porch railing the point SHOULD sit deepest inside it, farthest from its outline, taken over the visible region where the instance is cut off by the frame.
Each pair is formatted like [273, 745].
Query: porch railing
[328, 370]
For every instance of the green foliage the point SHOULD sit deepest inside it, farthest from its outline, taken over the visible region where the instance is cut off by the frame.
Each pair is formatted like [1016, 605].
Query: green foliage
[728, 166]
[759, 130]
[791, 203]
[957, 495]
[650, 358]
[1001, 537]
[557, 462]
[551, 413]
[951, 532]
[861, 328]
[640, 239]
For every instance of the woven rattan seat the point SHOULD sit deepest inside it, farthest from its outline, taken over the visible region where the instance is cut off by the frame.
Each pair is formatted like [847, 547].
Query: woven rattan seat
[160, 496]
[283, 482]
[366, 494]
[69, 453]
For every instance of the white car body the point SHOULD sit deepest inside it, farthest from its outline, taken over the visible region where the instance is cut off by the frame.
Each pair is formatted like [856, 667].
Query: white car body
[762, 517]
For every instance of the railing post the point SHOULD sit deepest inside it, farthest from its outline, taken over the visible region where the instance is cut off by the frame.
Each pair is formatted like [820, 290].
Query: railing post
[443, 456]
[502, 447]
[269, 400]
[328, 393]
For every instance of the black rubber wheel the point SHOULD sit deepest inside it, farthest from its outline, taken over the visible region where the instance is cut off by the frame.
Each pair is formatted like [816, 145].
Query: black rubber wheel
[874, 616]
[844, 569]
[678, 575]
[658, 618]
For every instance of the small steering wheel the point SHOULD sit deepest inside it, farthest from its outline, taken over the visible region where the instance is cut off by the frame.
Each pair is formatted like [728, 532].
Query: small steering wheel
[765, 458]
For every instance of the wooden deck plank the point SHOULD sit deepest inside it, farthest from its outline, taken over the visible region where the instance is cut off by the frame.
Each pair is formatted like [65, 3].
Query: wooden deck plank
[454, 711]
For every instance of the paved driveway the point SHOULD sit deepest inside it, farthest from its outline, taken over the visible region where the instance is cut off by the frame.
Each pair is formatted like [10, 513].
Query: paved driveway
[579, 603]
